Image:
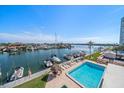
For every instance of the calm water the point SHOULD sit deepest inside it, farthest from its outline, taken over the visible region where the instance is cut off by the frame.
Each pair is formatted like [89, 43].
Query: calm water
[34, 60]
[88, 74]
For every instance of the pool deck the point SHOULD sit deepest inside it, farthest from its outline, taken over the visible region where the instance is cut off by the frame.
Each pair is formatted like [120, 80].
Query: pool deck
[114, 77]
[63, 79]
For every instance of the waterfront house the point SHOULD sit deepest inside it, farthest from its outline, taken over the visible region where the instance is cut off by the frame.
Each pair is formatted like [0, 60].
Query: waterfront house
[1, 48]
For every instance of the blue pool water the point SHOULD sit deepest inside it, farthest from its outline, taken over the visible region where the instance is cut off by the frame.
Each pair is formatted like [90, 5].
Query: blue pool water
[87, 74]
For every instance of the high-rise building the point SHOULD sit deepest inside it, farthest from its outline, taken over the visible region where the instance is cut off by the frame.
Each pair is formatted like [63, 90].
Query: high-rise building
[122, 31]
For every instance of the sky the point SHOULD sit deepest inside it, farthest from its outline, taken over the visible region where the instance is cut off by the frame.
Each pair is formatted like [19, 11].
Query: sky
[75, 24]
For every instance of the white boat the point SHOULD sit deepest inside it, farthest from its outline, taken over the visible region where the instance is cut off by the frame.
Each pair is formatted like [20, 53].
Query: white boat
[18, 73]
[68, 57]
[0, 70]
[48, 63]
[0, 73]
[56, 59]
[4, 50]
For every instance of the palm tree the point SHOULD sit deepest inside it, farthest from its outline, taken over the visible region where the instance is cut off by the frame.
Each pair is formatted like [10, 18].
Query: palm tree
[90, 43]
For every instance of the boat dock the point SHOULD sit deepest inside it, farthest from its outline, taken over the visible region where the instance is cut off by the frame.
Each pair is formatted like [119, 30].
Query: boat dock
[24, 79]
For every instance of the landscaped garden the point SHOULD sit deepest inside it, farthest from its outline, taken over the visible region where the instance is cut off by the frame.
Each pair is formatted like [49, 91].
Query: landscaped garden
[93, 56]
[39, 82]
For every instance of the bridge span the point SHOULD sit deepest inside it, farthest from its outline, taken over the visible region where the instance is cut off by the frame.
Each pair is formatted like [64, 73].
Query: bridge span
[95, 44]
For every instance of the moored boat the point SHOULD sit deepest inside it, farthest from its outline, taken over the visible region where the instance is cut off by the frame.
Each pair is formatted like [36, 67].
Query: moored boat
[0, 73]
[82, 53]
[48, 63]
[18, 73]
[68, 57]
[55, 59]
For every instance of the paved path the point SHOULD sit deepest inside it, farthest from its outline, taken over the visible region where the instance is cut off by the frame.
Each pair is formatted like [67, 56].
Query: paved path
[24, 79]
[114, 77]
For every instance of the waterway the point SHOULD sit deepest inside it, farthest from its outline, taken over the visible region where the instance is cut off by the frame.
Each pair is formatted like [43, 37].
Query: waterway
[33, 60]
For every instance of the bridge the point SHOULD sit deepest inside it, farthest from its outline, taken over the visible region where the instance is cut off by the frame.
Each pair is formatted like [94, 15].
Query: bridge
[95, 44]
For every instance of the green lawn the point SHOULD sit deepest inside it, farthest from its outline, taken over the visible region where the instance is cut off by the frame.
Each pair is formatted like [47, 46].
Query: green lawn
[39, 82]
[93, 57]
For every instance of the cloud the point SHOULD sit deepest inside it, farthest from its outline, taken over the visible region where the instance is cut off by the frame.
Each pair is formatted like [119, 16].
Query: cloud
[83, 39]
[29, 37]
[93, 39]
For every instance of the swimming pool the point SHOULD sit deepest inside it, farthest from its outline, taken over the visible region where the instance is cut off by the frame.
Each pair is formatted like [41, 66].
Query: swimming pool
[87, 75]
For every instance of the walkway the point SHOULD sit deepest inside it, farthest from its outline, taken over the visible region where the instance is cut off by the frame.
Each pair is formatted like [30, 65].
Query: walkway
[24, 79]
[114, 77]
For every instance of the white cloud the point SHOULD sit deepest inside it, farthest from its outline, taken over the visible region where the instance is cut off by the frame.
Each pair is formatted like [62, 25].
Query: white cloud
[29, 37]
[81, 39]
[85, 39]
